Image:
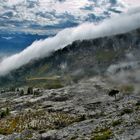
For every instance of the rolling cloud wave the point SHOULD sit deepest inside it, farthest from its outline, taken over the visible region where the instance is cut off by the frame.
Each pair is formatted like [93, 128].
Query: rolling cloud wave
[42, 48]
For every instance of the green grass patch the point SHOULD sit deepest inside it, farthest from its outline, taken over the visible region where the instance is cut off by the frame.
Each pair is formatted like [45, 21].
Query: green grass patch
[105, 55]
[102, 134]
[116, 123]
[53, 82]
[127, 88]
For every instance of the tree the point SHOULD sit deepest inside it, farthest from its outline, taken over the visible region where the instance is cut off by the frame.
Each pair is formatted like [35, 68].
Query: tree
[113, 93]
[7, 111]
[30, 90]
[21, 92]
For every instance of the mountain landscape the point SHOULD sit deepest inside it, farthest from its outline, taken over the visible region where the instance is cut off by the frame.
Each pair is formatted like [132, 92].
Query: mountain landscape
[69, 70]
[19, 19]
[81, 59]
[70, 97]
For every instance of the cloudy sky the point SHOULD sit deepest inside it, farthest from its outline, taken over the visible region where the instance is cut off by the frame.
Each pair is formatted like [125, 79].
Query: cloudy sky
[96, 17]
[44, 16]
[132, 2]
[118, 24]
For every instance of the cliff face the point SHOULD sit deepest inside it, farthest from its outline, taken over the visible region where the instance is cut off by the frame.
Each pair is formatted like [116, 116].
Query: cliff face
[81, 59]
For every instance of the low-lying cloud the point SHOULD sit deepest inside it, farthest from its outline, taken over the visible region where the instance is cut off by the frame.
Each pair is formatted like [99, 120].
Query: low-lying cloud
[115, 25]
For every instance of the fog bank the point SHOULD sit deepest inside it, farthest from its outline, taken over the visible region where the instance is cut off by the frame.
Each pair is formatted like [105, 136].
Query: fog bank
[42, 48]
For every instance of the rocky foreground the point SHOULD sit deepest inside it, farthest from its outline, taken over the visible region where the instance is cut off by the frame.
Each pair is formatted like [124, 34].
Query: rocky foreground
[82, 111]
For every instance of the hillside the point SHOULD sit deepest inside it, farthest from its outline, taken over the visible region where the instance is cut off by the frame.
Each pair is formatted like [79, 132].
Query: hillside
[89, 90]
[79, 60]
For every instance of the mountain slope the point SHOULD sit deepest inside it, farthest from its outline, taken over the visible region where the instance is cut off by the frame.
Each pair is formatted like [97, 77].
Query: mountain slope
[81, 59]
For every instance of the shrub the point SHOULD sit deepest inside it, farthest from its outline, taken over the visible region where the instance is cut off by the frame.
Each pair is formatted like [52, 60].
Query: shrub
[116, 122]
[37, 92]
[103, 135]
[21, 92]
[127, 89]
[30, 90]
[4, 113]
[82, 118]
[12, 89]
[126, 111]
[7, 111]
[17, 89]
[138, 103]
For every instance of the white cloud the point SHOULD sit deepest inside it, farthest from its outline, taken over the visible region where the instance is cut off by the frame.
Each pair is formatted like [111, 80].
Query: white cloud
[41, 48]
[52, 12]
[132, 3]
[7, 38]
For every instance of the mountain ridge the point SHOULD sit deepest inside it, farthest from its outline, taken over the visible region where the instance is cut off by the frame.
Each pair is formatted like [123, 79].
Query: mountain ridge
[80, 59]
